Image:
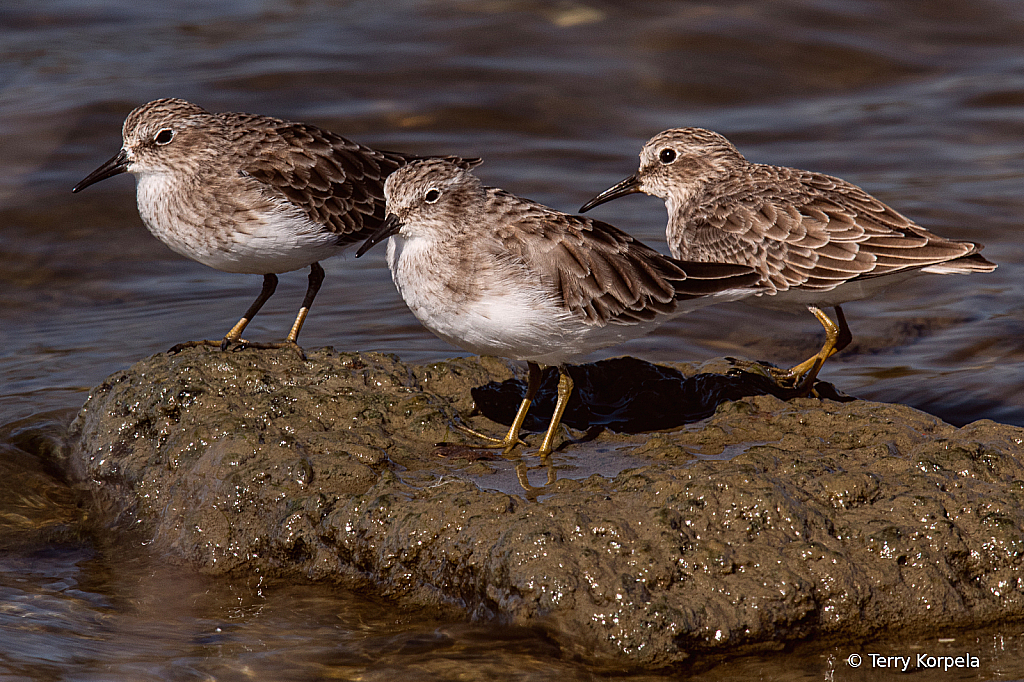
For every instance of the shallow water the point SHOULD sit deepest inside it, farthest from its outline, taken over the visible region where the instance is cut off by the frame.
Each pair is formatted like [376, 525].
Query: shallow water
[922, 103]
[73, 614]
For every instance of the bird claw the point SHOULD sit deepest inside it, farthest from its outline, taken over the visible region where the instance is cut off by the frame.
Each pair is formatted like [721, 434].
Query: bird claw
[177, 348]
[491, 442]
[235, 345]
[799, 379]
[243, 344]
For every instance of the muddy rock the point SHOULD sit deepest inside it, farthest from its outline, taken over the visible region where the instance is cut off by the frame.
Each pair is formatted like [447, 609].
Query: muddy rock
[769, 521]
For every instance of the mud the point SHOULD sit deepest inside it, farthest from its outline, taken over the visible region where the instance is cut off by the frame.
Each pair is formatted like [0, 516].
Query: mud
[768, 522]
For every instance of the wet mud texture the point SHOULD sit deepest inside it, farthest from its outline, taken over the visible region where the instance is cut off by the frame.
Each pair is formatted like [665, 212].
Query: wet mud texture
[819, 518]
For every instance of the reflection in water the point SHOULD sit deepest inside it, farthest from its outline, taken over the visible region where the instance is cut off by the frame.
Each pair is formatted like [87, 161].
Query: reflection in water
[118, 614]
[920, 103]
[532, 477]
[523, 474]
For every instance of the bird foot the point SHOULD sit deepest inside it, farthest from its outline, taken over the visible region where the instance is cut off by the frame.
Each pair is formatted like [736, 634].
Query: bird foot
[236, 345]
[489, 441]
[194, 344]
[242, 344]
[786, 378]
[798, 378]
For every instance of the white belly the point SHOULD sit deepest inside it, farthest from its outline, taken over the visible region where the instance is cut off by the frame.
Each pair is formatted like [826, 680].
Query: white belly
[251, 242]
[517, 322]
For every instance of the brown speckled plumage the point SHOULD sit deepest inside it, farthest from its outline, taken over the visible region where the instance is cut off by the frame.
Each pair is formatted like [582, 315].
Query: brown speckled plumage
[816, 240]
[499, 275]
[593, 273]
[248, 193]
[601, 274]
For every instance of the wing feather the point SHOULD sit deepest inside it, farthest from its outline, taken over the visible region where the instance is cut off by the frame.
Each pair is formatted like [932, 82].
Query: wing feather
[804, 229]
[601, 273]
[338, 183]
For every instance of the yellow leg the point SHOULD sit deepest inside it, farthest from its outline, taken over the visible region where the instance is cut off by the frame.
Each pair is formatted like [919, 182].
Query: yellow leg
[564, 391]
[827, 349]
[291, 341]
[316, 278]
[837, 337]
[235, 335]
[293, 335]
[511, 439]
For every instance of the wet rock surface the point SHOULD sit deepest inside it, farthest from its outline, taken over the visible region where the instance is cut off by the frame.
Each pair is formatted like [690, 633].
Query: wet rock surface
[41, 506]
[767, 522]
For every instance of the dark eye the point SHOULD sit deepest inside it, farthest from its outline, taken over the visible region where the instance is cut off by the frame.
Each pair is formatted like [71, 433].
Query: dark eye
[432, 195]
[667, 155]
[164, 136]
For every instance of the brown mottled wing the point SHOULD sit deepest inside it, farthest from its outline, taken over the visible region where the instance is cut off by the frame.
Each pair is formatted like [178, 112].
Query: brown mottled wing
[808, 230]
[601, 272]
[337, 182]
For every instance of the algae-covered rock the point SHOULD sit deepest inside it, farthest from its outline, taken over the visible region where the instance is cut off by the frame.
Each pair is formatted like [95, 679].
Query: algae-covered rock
[769, 521]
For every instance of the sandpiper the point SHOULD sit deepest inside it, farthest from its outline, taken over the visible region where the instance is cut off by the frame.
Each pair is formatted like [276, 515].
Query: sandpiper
[496, 274]
[816, 240]
[251, 194]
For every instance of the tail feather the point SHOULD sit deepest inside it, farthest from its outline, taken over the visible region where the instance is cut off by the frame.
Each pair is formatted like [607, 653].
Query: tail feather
[708, 279]
[972, 262]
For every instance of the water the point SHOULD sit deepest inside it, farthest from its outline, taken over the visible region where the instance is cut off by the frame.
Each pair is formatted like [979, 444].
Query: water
[922, 103]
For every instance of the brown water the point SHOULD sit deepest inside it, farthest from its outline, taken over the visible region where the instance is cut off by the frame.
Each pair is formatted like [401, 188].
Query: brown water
[921, 102]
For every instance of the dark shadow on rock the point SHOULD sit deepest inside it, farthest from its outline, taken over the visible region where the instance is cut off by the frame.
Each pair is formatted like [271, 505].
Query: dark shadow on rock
[628, 395]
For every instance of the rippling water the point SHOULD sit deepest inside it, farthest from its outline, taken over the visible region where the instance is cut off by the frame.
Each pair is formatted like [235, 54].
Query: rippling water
[922, 103]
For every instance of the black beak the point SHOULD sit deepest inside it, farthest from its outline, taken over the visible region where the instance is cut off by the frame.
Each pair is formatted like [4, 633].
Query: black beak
[116, 165]
[630, 185]
[390, 226]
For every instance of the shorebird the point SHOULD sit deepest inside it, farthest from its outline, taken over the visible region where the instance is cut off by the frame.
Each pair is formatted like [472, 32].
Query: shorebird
[815, 240]
[496, 274]
[251, 194]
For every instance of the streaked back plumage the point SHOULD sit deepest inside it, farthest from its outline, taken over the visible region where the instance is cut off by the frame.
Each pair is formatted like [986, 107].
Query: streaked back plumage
[251, 194]
[799, 229]
[336, 182]
[474, 246]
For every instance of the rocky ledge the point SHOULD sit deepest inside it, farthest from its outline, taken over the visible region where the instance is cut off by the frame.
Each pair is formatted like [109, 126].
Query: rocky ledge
[767, 522]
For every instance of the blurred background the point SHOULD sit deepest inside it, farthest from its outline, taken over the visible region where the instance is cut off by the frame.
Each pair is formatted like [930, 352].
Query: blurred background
[921, 102]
